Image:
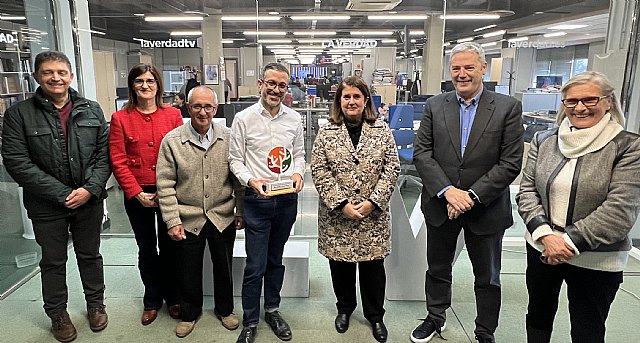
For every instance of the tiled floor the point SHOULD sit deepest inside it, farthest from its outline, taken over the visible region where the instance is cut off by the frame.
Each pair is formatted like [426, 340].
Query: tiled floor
[23, 319]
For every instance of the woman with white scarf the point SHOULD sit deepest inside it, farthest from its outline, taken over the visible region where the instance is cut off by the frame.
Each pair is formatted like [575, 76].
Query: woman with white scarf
[579, 198]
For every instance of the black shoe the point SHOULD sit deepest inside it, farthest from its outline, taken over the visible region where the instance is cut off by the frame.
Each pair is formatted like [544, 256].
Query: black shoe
[380, 332]
[248, 335]
[425, 331]
[342, 322]
[485, 339]
[278, 325]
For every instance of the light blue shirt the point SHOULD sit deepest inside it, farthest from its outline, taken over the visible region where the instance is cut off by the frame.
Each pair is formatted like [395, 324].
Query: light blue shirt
[203, 140]
[467, 116]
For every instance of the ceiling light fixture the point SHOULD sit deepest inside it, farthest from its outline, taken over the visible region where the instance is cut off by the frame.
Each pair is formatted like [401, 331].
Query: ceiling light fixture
[93, 31]
[567, 27]
[314, 33]
[12, 17]
[173, 18]
[488, 44]
[274, 40]
[185, 33]
[554, 34]
[227, 41]
[462, 40]
[470, 16]
[265, 33]
[494, 33]
[399, 17]
[311, 40]
[388, 41]
[518, 39]
[485, 28]
[249, 18]
[274, 13]
[416, 33]
[371, 33]
[320, 17]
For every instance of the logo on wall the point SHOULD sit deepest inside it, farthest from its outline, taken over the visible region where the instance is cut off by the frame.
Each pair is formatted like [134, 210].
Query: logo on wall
[279, 160]
[7, 38]
[350, 43]
[169, 43]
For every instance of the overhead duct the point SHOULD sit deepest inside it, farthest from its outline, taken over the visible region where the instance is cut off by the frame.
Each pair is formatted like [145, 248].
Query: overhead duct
[372, 5]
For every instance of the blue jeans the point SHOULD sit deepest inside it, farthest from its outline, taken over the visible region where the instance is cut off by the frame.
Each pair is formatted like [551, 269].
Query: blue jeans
[268, 222]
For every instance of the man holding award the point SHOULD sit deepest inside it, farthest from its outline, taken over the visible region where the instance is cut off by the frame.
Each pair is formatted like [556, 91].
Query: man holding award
[266, 153]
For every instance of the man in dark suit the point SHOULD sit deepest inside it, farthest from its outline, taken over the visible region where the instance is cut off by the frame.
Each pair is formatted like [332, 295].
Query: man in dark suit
[468, 150]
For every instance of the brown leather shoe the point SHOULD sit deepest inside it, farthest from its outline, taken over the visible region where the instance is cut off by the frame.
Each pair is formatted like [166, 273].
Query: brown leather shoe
[62, 328]
[148, 316]
[174, 311]
[98, 318]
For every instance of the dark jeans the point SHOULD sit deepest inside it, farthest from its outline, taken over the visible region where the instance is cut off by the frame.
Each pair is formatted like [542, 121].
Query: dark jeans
[84, 223]
[190, 254]
[590, 293]
[372, 286]
[268, 222]
[157, 270]
[485, 252]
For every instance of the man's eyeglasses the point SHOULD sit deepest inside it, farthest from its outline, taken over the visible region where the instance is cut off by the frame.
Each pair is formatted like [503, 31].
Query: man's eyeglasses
[140, 82]
[207, 108]
[587, 102]
[272, 84]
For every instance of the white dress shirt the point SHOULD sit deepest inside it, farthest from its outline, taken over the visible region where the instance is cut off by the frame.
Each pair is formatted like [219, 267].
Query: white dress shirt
[255, 132]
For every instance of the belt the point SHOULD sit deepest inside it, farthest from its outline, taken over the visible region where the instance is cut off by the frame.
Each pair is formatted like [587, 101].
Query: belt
[558, 228]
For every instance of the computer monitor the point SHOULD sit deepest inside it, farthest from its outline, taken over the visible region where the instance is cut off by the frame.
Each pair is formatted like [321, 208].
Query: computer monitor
[502, 89]
[447, 86]
[546, 81]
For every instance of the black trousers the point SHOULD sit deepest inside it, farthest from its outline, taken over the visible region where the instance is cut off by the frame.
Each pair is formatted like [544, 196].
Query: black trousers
[156, 253]
[84, 223]
[190, 254]
[485, 253]
[590, 293]
[372, 286]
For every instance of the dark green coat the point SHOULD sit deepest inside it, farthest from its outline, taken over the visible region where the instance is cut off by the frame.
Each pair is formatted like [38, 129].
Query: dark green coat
[33, 152]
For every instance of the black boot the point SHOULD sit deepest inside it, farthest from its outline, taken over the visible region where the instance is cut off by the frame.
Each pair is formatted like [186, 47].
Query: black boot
[537, 336]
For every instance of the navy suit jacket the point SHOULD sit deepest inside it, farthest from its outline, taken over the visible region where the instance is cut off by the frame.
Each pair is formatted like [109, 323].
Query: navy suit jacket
[492, 159]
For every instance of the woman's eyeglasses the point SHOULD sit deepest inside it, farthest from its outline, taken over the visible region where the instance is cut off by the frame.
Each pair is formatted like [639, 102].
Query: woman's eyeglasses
[587, 102]
[140, 82]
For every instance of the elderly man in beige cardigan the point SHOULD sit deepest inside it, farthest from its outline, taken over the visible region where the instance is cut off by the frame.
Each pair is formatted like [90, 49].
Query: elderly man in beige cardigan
[201, 201]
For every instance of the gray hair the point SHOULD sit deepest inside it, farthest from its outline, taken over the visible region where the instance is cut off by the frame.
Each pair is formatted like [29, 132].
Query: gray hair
[469, 47]
[607, 89]
[276, 67]
[215, 95]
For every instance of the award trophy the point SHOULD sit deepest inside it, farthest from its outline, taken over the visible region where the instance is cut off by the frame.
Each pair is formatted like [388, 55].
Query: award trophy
[279, 161]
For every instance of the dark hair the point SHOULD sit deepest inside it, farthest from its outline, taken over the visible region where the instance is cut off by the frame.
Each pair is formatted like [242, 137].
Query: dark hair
[47, 56]
[274, 66]
[136, 71]
[369, 113]
[181, 96]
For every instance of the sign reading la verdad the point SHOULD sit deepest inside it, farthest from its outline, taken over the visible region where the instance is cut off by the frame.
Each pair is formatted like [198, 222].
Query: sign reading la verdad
[169, 43]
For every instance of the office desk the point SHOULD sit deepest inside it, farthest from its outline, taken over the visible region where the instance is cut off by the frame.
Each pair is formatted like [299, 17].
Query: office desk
[532, 117]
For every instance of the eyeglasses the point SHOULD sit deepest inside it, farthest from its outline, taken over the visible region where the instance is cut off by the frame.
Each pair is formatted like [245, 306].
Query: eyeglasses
[140, 82]
[272, 84]
[587, 102]
[207, 108]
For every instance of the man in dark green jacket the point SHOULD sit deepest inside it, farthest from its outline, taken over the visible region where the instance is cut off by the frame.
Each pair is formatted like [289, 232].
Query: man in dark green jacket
[55, 145]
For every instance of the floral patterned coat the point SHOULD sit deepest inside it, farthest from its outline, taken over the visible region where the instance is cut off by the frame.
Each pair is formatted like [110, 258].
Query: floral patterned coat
[341, 172]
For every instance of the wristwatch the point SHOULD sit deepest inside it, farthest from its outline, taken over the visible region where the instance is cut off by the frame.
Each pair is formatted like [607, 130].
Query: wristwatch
[473, 197]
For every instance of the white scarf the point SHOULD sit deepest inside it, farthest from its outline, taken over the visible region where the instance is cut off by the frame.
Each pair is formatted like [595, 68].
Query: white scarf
[574, 144]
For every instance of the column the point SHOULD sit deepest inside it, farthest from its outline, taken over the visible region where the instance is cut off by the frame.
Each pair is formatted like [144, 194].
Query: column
[212, 52]
[432, 55]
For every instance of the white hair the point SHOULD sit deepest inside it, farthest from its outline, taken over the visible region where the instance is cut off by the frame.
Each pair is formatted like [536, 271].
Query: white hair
[469, 47]
[215, 95]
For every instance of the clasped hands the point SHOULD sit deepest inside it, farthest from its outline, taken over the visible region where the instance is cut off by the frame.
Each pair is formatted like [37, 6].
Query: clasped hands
[458, 202]
[148, 199]
[556, 250]
[359, 211]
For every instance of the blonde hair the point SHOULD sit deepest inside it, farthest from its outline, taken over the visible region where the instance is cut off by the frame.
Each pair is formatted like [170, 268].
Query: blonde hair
[607, 89]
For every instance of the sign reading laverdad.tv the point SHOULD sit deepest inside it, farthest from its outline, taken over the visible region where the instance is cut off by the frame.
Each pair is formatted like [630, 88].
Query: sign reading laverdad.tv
[169, 43]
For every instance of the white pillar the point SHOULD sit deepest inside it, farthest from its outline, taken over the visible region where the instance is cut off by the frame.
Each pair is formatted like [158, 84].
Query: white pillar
[432, 55]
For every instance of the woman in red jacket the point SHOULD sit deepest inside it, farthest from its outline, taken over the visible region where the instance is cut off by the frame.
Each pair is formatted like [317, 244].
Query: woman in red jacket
[136, 133]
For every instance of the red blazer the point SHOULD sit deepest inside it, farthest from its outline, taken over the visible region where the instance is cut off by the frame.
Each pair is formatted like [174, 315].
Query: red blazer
[134, 142]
